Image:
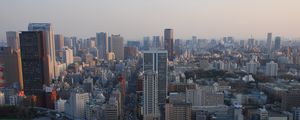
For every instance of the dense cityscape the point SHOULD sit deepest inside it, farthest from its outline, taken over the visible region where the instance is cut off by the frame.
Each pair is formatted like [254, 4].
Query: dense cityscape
[149, 60]
[45, 75]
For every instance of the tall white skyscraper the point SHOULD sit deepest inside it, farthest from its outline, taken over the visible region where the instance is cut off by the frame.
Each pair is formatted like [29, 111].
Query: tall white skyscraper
[102, 44]
[156, 61]
[13, 40]
[117, 44]
[269, 42]
[271, 69]
[150, 92]
[50, 44]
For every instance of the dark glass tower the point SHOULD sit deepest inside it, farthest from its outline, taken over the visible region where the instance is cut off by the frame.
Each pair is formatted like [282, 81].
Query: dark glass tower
[35, 64]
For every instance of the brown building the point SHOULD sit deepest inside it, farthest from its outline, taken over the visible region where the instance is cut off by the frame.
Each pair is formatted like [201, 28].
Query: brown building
[178, 111]
[130, 52]
[290, 98]
[169, 38]
[10, 67]
[59, 41]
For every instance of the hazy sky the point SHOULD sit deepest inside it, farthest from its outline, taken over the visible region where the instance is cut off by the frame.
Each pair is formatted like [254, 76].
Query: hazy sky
[134, 19]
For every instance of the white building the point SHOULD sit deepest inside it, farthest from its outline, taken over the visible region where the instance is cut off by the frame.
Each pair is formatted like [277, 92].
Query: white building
[205, 96]
[13, 40]
[271, 69]
[75, 106]
[60, 105]
[251, 67]
[150, 92]
[2, 98]
[68, 57]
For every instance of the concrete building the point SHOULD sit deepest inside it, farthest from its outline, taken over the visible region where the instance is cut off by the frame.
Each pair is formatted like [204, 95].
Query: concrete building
[60, 105]
[156, 61]
[75, 106]
[204, 96]
[111, 109]
[290, 99]
[102, 44]
[296, 113]
[13, 39]
[67, 57]
[117, 46]
[251, 67]
[271, 69]
[150, 92]
[157, 42]
[269, 42]
[277, 43]
[169, 38]
[59, 41]
[130, 52]
[178, 111]
[10, 67]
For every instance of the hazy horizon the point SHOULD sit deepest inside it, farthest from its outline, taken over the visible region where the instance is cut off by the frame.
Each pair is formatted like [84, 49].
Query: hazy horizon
[134, 19]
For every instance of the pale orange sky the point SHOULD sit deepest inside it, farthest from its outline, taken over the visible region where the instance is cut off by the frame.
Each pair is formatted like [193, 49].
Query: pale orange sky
[134, 19]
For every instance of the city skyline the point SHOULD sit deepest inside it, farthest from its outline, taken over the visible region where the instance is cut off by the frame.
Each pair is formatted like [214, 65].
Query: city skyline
[135, 19]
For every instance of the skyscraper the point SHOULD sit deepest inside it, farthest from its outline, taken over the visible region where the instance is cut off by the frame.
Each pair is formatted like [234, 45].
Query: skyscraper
[156, 61]
[157, 42]
[168, 35]
[117, 46]
[49, 47]
[271, 69]
[10, 67]
[35, 63]
[277, 43]
[102, 44]
[13, 40]
[146, 43]
[269, 42]
[59, 41]
[150, 91]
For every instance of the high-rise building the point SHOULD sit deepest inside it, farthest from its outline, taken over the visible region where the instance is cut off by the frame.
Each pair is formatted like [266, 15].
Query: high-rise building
[177, 47]
[10, 67]
[117, 46]
[271, 69]
[75, 106]
[169, 38]
[67, 55]
[251, 67]
[269, 42]
[102, 44]
[35, 63]
[150, 92]
[49, 47]
[59, 41]
[146, 43]
[156, 61]
[277, 42]
[13, 40]
[157, 42]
